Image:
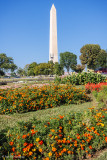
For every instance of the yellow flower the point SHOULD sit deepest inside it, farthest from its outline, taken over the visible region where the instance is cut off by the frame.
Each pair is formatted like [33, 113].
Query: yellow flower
[102, 124]
[50, 154]
[37, 139]
[34, 149]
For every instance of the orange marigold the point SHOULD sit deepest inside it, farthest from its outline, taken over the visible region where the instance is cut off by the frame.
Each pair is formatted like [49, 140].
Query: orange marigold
[64, 149]
[90, 147]
[106, 139]
[52, 130]
[54, 149]
[61, 117]
[24, 136]
[46, 158]
[60, 127]
[78, 137]
[13, 149]
[30, 153]
[40, 149]
[69, 152]
[25, 144]
[11, 143]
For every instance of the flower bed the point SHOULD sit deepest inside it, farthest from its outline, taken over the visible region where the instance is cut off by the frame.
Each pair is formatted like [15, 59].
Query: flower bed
[28, 99]
[74, 136]
[94, 87]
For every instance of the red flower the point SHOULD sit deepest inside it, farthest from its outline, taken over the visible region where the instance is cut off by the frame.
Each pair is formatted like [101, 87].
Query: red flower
[25, 144]
[11, 143]
[90, 147]
[24, 136]
[60, 135]
[13, 149]
[41, 142]
[61, 117]
[78, 137]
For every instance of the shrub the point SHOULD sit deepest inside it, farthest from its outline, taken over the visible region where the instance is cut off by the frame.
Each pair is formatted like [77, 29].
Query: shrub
[28, 99]
[74, 136]
[81, 78]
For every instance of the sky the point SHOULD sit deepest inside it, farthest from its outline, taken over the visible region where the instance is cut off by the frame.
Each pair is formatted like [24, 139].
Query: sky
[24, 27]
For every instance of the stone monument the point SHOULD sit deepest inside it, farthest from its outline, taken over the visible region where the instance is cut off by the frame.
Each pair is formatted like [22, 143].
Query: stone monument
[53, 51]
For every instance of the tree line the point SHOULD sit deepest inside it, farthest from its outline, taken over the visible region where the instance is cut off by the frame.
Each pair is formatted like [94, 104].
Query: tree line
[91, 55]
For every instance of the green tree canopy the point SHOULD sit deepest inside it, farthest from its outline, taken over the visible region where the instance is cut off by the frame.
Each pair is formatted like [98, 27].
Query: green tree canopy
[68, 60]
[6, 63]
[102, 59]
[89, 53]
[79, 68]
[20, 71]
[44, 68]
[58, 69]
[31, 68]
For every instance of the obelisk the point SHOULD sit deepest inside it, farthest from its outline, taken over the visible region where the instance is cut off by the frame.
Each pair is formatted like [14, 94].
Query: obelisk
[53, 51]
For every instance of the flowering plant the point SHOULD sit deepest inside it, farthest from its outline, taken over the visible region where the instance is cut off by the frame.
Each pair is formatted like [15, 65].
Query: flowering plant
[35, 98]
[95, 87]
[66, 137]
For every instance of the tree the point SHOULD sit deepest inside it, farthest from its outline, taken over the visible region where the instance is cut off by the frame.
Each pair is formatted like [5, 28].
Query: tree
[20, 71]
[2, 73]
[102, 59]
[67, 60]
[89, 53]
[44, 69]
[6, 63]
[31, 69]
[79, 68]
[58, 69]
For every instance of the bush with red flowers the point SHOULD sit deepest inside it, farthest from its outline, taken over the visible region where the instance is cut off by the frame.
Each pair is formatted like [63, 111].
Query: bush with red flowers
[94, 87]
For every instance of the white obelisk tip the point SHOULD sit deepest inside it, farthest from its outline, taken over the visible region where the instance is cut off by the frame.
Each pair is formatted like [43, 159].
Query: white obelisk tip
[53, 6]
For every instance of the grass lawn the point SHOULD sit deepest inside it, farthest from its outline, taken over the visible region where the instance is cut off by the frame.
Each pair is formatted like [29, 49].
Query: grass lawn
[12, 119]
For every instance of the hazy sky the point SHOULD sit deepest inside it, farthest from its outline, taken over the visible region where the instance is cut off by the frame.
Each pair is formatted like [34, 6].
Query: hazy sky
[24, 27]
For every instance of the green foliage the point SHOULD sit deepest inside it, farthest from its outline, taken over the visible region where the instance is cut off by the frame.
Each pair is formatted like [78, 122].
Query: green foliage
[102, 59]
[81, 78]
[35, 98]
[68, 60]
[13, 74]
[101, 96]
[31, 68]
[58, 69]
[20, 71]
[44, 68]
[78, 68]
[74, 136]
[2, 73]
[89, 54]
[6, 63]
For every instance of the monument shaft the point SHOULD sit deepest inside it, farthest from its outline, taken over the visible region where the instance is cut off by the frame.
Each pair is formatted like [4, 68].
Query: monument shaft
[53, 51]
